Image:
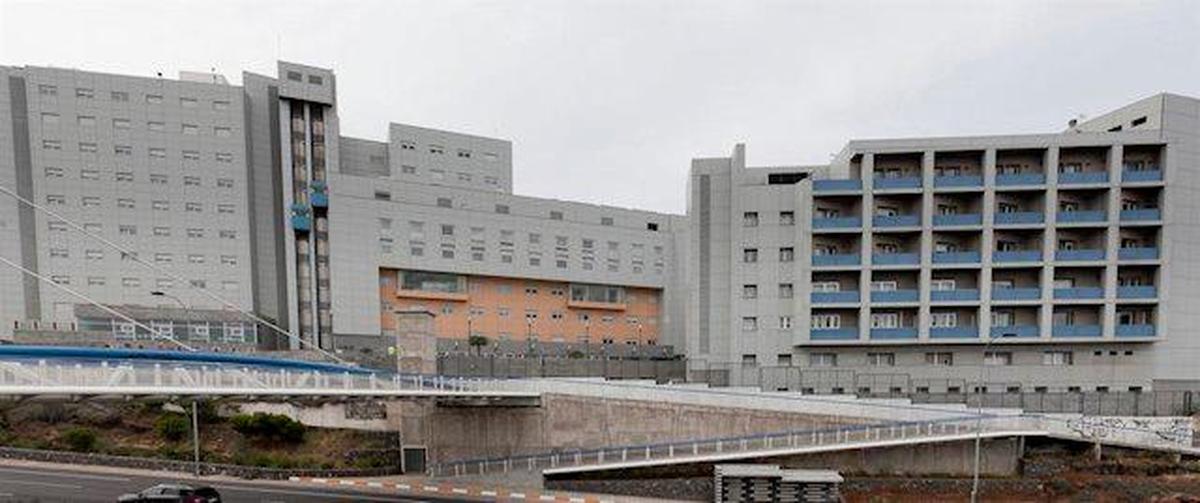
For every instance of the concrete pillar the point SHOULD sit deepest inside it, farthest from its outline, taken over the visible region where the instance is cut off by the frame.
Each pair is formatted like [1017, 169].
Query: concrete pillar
[416, 342]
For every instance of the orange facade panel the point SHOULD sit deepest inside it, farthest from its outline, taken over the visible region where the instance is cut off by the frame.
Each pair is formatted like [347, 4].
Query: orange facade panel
[519, 309]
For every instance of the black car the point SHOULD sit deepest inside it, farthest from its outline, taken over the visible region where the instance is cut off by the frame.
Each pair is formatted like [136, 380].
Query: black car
[180, 493]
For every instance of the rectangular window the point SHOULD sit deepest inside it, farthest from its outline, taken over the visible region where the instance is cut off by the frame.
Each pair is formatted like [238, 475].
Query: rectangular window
[556, 215]
[188, 102]
[51, 145]
[787, 254]
[87, 147]
[83, 92]
[54, 172]
[191, 155]
[786, 291]
[225, 209]
[1060, 358]
[87, 120]
[122, 150]
[223, 157]
[608, 221]
[191, 129]
[749, 324]
[822, 359]
[750, 255]
[749, 291]
[939, 359]
[881, 359]
[383, 195]
[156, 179]
[158, 152]
[826, 321]
[222, 132]
[121, 123]
[444, 202]
[220, 105]
[47, 90]
[750, 219]
[126, 176]
[225, 183]
[193, 207]
[997, 358]
[785, 322]
[154, 98]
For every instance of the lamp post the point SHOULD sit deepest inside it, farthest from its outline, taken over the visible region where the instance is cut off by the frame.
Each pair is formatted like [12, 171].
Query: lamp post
[160, 293]
[979, 416]
[171, 407]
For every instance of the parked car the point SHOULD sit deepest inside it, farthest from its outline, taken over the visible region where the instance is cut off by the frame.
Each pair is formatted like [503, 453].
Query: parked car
[180, 493]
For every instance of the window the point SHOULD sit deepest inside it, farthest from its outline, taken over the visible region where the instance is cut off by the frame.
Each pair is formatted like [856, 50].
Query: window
[57, 226]
[83, 92]
[787, 254]
[47, 90]
[227, 234]
[188, 102]
[60, 279]
[787, 218]
[942, 284]
[158, 152]
[408, 170]
[193, 207]
[154, 98]
[556, 215]
[87, 147]
[195, 258]
[220, 105]
[164, 258]
[652, 226]
[222, 132]
[786, 291]
[49, 118]
[502, 209]
[191, 181]
[749, 360]
[54, 172]
[750, 255]
[162, 231]
[51, 145]
[944, 319]
[89, 201]
[87, 120]
[223, 157]
[315, 80]
[96, 281]
[160, 205]
[785, 322]
[127, 230]
[447, 230]
[881, 359]
[750, 219]
[125, 203]
[1060, 358]
[608, 221]
[225, 208]
[437, 149]
[59, 253]
[822, 359]
[998, 358]
[195, 233]
[939, 359]
[131, 282]
[126, 176]
[191, 129]
[885, 319]
[749, 291]
[295, 76]
[826, 321]
[225, 183]
[191, 155]
[444, 202]
[122, 150]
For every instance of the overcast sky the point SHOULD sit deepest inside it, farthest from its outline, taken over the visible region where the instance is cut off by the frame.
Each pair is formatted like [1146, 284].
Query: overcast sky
[608, 101]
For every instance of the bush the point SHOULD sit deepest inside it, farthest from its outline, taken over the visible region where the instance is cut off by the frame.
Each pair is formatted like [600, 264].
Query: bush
[80, 439]
[263, 426]
[172, 427]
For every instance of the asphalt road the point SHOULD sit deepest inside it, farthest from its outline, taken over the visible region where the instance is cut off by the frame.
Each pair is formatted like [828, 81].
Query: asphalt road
[53, 484]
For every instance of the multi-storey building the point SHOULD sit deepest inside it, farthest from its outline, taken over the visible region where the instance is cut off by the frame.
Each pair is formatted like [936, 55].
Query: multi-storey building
[251, 193]
[1049, 261]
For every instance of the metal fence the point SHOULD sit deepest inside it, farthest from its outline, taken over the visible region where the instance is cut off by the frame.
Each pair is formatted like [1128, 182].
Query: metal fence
[487, 366]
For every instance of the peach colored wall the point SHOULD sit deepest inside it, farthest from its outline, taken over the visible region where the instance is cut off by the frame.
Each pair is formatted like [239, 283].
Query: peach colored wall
[485, 293]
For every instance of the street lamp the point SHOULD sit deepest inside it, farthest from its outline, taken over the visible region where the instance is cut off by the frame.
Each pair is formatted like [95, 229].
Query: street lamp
[979, 415]
[160, 293]
[170, 407]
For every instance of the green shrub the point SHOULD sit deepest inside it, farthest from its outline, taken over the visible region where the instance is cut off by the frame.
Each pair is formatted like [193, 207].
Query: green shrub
[264, 426]
[80, 439]
[172, 427]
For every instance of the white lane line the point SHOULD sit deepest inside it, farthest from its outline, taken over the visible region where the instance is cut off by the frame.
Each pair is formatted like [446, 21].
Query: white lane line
[517, 496]
[549, 497]
[326, 494]
[458, 490]
[432, 489]
[489, 494]
[374, 484]
[72, 475]
[403, 487]
[346, 482]
[36, 483]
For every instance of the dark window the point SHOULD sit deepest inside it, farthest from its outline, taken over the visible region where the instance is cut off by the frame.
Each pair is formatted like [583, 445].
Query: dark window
[785, 178]
[1138, 121]
[651, 226]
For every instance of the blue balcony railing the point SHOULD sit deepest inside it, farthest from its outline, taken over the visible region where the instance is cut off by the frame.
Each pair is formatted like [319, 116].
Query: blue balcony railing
[1078, 255]
[963, 257]
[1136, 331]
[895, 296]
[1075, 331]
[957, 219]
[958, 181]
[1137, 254]
[1072, 217]
[1081, 178]
[1016, 294]
[1137, 292]
[1019, 217]
[1020, 179]
[1015, 331]
[834, 297]
[893, 333]
[1150, 175]
[320, 194]
[301, 217]
[957, 295]
[1082, 292]
[1144, 214]
[908, 182]
[1017, 256]
[834, 334]
[895, 259]
[836, 259]
[837, 185]
[896, 220]
[954, 332]
[836, 222]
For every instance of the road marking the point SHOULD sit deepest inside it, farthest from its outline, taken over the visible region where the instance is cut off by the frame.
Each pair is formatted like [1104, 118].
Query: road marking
[346, 482]
[549, 497]
[67, 474]
[487, 493]
[458, 490]
[374, 484]
[327, 494]
[517, 496]
[403, 487]
[432, 489]
[36, 483]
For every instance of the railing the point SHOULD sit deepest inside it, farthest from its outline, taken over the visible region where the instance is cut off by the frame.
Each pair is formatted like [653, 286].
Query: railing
[895, 296]
[837, 259]
[834, 297]
[1019, 217]
[836, 222]
[901, 333]
[908, 182]
[1016, 331]
[895, 259]
[1017, 256]
[1073, 217]
[1078, 255]
[1142, 175]
[832, 438]
[1006, 180]
[833, 334]
[1075, 331]
[1082, 177]
[1079, 293]
[958, 219]
[964, 257]
[896, 220]
[1143, 330]
[956, 295]
[1137, 292]
[1016, 293]
[954, 332]
[837, 185]
[1145, 214]
[958, 181]
[1148, 253]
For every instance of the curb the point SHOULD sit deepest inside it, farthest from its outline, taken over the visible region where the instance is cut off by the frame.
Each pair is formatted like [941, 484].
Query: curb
[448, 490]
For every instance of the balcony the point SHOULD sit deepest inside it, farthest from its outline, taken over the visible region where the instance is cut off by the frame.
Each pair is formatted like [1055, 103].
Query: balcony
[908, 182]
[895, 259]
[836, 259]
[893, 333]
[1021, 331]
[834, 334]
[837, 185]
[960, 219]
[1137, 254]
[959, 181]
[1076, 293]
[301, 217]
[834, 297]
[1019, 218]
[320, 194]
[1083, 178]
[1142, 215]
[957, 295]
[964, 257]
[1078, 217]
[836, 222]
[1135, 331]
[896, 220]
[895, 296]
[1137, 292]
[1143, 175]
[1017, 294]
[954, 332]
[1078, 255]
[1075, 331]
[1017, 256]
[1008, 180]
